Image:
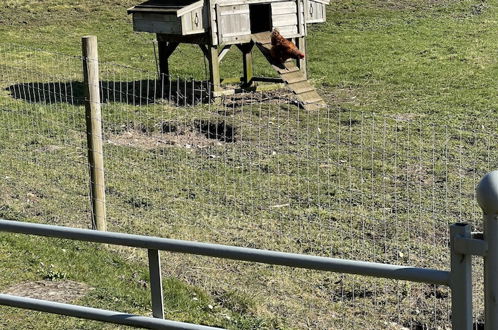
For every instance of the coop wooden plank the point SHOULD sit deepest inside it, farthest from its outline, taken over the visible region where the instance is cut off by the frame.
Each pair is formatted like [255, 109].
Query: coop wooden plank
[311, 100]
[234, 34]
[212, 22]
[157, 26]
[223, 52]
[234, 12]
[283, 4]
[187, 22]
[137, 10]
[156, 17]
[284, 20]
[280, 8]
[287, 67]
[301, 22]
[261, 38]
[301, 87]
[310, 97]
[191, 7]
[293, 77]
[284, 11]
[289, 31]
[218, 22]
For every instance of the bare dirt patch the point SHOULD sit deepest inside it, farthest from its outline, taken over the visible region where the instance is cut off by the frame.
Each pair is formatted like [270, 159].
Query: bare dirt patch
[49, 148]
[200, 134]
[420, 174]
[59, 291]
[147, 141]
[407, 116]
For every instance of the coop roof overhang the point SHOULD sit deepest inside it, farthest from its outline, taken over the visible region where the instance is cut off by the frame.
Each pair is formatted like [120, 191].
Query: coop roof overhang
[164, 6]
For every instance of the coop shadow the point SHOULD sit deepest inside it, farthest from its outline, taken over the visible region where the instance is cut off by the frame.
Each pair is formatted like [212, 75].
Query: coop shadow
[177, 92]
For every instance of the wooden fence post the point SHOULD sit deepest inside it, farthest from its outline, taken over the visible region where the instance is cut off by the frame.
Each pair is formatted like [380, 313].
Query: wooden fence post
[94, 131]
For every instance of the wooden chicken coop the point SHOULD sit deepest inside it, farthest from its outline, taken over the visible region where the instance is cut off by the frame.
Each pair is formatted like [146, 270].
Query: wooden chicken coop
[217, 25]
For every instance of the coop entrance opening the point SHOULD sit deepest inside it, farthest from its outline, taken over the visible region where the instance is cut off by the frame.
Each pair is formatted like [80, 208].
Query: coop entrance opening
[260, 16]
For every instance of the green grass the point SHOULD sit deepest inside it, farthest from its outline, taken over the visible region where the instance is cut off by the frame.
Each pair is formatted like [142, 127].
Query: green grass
[117, 284]
[378, 177]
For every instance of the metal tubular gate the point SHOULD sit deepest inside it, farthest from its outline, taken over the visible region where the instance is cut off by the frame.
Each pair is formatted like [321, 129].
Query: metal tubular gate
[459, 278]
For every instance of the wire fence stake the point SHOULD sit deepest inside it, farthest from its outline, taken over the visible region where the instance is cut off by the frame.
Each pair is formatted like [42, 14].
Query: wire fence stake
[94, 130]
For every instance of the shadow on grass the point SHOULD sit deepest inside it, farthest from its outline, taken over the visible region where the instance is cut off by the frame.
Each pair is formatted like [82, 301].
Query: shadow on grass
[140, 92]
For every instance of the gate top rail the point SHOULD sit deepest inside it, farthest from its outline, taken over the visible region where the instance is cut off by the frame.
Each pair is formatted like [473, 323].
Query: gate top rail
[232, 252]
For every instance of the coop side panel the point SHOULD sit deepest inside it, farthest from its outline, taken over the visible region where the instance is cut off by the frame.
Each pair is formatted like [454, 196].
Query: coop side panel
[192, 22]
[316, 11]
[233, 24]
[284, 18]
[157, 23]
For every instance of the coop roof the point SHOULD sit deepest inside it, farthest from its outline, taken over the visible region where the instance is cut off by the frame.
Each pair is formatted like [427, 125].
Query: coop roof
[161, 6]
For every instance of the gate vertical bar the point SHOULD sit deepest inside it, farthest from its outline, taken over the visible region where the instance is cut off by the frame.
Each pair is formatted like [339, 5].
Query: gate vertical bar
[94, 130]
[156, 284]
[487, 197]
[460, 280]
[491, 272]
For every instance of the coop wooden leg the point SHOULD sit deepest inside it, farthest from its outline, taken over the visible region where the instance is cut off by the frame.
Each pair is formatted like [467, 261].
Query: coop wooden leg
[214, 68]
[246, 50]
[165, 50]
[301, 63]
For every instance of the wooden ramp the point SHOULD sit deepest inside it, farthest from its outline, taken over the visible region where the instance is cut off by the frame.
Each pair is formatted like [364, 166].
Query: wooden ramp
[290, 74]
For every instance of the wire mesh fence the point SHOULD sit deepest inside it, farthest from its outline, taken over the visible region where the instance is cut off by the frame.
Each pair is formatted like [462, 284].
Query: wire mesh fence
[44, 166]
[254, 170]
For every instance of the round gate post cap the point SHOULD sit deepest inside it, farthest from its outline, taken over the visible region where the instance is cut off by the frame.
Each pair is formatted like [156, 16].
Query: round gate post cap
[487, 193]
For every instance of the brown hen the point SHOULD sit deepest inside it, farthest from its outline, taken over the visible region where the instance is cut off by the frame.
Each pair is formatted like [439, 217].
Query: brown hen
[283, 49]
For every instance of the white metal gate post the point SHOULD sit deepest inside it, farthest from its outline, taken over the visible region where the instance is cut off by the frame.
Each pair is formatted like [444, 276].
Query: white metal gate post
[156, 283]
[461, 279]
[487, 197]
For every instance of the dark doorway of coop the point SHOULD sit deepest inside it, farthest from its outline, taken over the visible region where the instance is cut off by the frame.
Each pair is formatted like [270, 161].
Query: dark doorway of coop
[260, 15]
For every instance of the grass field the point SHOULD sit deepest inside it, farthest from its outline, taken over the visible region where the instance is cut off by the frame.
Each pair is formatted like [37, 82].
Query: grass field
[377, 176]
